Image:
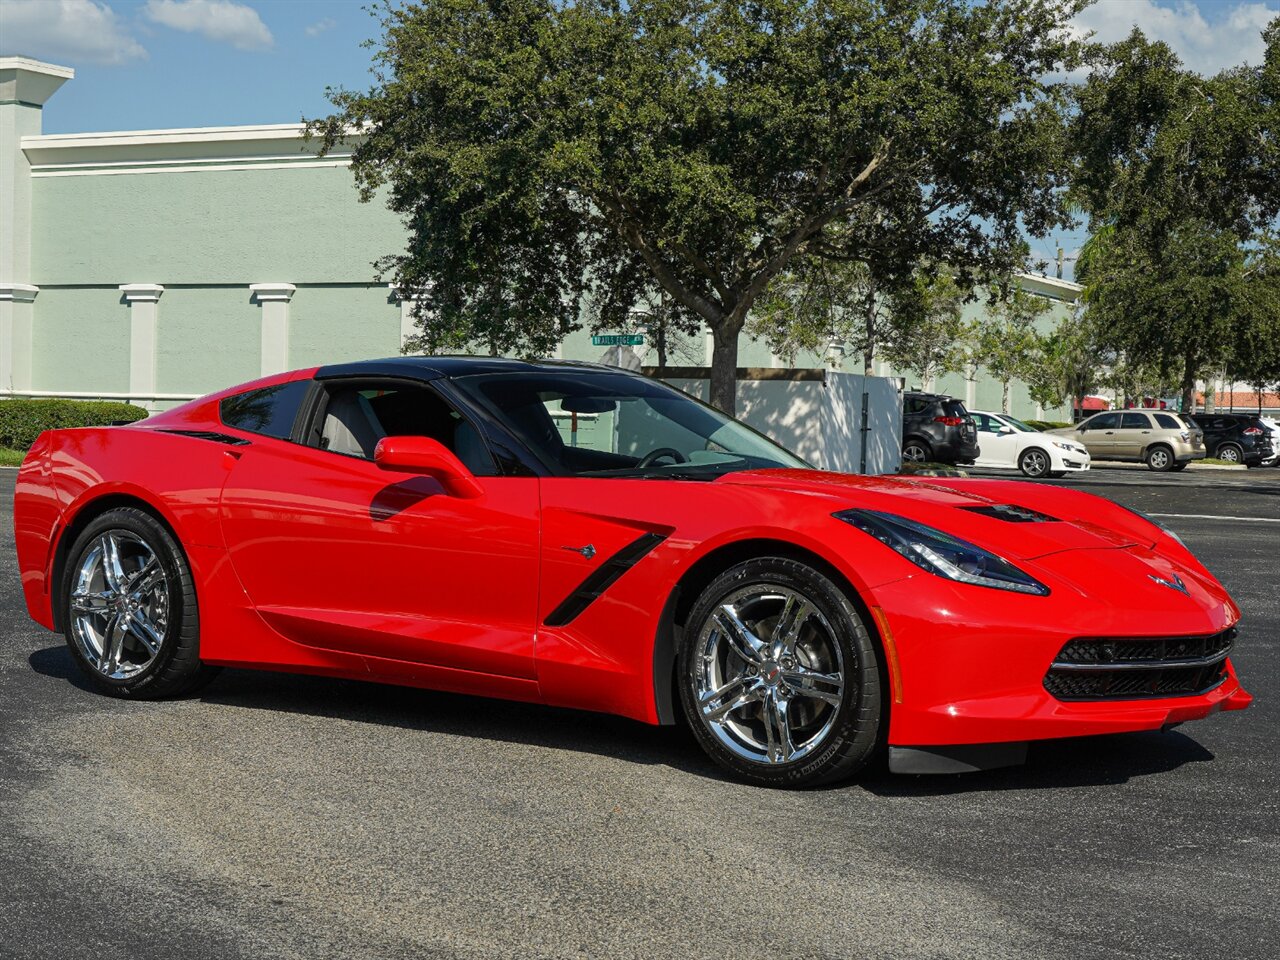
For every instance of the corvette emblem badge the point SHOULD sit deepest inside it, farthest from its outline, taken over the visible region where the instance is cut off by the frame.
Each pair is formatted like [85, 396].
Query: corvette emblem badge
[1174, 584]
[588, 551]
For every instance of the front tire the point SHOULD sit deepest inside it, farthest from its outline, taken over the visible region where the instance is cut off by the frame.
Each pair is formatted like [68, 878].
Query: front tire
[779, 676]
[1035, 463]
[129, 608]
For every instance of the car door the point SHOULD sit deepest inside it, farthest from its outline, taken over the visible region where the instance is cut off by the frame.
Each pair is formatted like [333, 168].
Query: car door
[998, 443]
[1098, 435]
[1132, 437]
[338, 553]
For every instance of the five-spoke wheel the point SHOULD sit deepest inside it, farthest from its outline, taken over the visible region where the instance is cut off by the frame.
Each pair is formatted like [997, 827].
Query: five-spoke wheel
[119, 605]
[129, 607]
[780, 676]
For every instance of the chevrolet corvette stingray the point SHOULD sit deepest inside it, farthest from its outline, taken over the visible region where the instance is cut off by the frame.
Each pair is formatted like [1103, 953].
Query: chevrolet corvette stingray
[577, 535]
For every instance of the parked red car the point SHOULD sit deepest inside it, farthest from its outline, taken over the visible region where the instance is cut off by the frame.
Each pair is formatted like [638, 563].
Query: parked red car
[581, 536]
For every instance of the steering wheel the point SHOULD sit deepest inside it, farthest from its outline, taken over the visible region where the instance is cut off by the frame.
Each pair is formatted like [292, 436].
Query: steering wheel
[653, 456]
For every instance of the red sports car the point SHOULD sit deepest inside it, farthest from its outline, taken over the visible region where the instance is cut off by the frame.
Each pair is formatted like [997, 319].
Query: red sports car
[577, 535]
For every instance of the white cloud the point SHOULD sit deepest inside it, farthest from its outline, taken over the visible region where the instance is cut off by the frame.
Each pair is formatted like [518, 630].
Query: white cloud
[78, 31]
[222, 20]
[1233, 37]
[320, 26]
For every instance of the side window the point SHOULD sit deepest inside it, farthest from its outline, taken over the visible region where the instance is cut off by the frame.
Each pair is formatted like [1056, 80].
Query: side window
[357, 416]
[1104, 421]
[1168, 422]
[915, 406]
[1135, 421]
[986, 424]
[269, 410]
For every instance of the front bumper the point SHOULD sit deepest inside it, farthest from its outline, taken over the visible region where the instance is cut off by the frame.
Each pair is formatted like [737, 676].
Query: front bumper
[970, 662]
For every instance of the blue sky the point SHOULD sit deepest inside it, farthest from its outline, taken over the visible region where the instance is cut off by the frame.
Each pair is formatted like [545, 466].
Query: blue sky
[191, 63]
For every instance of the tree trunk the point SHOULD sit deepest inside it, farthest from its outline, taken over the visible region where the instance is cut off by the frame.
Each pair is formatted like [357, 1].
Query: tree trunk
[1004, 398]
[660, 341]
[1189, 385]
[869, 354]
[724, 366]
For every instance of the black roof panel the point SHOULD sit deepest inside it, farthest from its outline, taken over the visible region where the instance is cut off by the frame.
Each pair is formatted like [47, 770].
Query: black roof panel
[432, 368]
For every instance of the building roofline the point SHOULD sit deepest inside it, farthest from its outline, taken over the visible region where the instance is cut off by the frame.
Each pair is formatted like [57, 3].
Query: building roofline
[36, 66]
[114, 138]
[1054, 286]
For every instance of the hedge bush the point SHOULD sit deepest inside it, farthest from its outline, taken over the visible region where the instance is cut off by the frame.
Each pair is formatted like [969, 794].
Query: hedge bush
[21, 421]
[1047, 424]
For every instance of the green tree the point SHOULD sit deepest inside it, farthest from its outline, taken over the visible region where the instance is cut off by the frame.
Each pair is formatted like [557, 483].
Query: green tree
[1071, 364]
[926, 327]
[1179, 175]
[550, 153]
[1006, 338]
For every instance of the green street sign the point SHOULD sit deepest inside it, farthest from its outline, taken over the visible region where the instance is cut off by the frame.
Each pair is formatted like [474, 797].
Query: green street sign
[617, 340]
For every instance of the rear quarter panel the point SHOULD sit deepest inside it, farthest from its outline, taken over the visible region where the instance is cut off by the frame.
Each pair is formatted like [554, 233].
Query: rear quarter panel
[69, 471]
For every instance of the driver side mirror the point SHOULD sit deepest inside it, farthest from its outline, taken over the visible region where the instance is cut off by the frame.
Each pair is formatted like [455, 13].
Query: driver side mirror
[1005, 428]
[424, 455]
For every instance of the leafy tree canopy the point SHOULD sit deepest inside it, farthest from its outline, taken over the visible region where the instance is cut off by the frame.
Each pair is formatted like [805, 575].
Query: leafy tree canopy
[555, 158]
[1180, 177]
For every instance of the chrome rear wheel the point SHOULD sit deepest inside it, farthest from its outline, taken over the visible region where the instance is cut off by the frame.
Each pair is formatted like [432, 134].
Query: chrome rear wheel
[127, 605]
[120, 605]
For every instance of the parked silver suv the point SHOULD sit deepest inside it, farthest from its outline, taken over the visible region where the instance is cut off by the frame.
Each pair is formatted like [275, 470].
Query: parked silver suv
[1161, 439]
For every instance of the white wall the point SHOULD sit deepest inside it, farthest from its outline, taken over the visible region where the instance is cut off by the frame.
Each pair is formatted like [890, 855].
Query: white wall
[821, 420]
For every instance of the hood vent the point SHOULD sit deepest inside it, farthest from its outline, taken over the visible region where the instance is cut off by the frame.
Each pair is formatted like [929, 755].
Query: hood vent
[1012, 514]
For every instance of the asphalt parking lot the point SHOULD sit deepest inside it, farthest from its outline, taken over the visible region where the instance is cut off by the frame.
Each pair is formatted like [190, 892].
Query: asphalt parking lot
[280, 817]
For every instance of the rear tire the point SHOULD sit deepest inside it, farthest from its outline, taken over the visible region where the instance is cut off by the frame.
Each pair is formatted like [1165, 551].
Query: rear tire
[129, 608]
[1231, 452]
[917, 451]
[1160, 458]
[779, 676]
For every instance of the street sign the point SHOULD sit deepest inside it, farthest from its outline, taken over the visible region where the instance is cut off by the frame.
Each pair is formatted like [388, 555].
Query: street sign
[617, 340]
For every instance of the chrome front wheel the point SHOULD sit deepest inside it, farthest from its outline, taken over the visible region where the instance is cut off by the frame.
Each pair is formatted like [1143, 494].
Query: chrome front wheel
[771, 675]
[120, 605]
[779, 676]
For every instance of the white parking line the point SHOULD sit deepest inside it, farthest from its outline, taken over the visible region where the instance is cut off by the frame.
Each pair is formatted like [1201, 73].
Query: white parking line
[1210, 516]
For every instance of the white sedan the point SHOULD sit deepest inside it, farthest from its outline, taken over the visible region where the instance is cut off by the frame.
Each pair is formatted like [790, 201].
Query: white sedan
[1006, 443]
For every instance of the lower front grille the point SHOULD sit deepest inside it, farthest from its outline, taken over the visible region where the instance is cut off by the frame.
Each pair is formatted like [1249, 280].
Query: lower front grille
[1135, 668]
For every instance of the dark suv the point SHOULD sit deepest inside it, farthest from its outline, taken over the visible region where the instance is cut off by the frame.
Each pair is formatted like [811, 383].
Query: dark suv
[937, 428]
[1237, 437]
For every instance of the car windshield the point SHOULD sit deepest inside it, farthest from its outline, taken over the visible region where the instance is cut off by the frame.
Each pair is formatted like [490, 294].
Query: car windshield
[1018, 424]
[599, 424]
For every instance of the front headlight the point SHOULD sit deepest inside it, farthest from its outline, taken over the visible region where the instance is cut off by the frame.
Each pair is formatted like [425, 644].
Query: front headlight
[942, 554]
[1063, 446]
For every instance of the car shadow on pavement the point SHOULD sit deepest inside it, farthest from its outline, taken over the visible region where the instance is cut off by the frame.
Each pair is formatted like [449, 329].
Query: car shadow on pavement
[1054, 764]
[1051, 764]
[431, 711]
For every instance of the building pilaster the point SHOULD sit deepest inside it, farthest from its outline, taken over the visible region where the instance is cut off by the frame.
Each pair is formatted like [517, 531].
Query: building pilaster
[274, 299]
[143, 300]
[25, 85]
[408, 302]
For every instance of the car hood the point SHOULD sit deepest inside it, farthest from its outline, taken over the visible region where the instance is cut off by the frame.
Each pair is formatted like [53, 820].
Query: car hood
[1067, 519]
